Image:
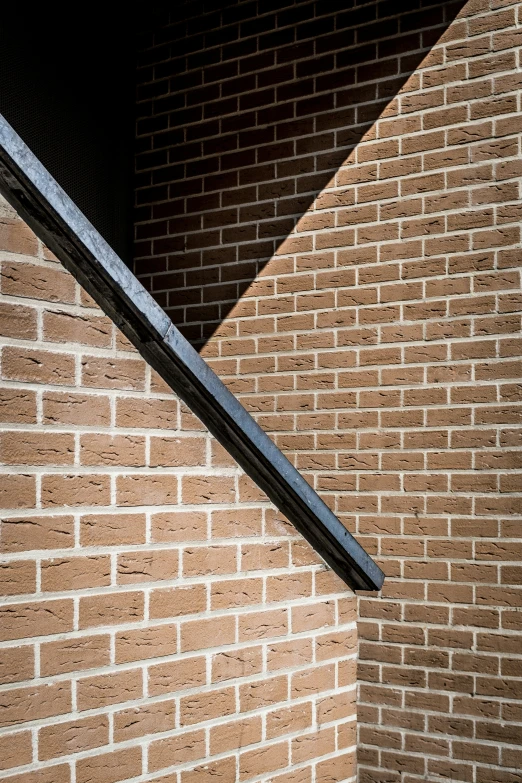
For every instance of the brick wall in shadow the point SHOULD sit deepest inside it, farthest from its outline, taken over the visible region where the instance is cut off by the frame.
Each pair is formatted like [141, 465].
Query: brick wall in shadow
[245, 112]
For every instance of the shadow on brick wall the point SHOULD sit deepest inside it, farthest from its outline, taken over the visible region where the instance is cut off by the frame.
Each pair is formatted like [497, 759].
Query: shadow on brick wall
[245, 113]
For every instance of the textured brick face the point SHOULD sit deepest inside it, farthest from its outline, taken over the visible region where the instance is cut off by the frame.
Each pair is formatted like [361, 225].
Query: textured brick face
[336, 194]
[146, 585]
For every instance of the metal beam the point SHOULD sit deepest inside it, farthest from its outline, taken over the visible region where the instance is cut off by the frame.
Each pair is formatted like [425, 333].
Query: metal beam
[54, 217]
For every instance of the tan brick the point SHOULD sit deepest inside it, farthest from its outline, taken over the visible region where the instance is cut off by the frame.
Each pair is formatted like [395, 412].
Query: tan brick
[236, 592]
[16, 664]
[179, 749]
[179, 526]
[104, 373]
[263, 761]
[16, 750]
[17, 491]
[177, 675]
[31, 280]
[199, 561]
[34, 703]
[141, 643]
[200, 707]
[17, 321]
[109, 767]
[237, 663]
[64, 327]
[119, 450]
[201, 634]
[263, 625]
[35, 448]
[24, 620]
[17, 577]
[288, 720]
[61, 773]
[104, 689]
[75, 573]
[73, 408]
[69, 655]
[17, 406]
[234, 735]
[177, 601]
[207, 489]
[111, 609]
[112, 529]
[222, 769]
[136, 722]
[73, 736]
[75, 490]
[33, 366]
[149, 566]
[147, 413]
[177, 452]
[147, 490]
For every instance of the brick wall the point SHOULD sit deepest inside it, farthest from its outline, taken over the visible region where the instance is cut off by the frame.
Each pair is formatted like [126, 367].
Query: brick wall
[331, 201]
[159, 620]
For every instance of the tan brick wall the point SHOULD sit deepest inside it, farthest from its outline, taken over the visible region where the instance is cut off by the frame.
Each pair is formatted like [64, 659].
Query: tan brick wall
[159, 620]
[380, 340]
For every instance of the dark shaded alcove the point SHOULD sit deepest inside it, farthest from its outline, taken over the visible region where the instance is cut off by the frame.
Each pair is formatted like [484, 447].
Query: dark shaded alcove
[67, 87]
[245, 112]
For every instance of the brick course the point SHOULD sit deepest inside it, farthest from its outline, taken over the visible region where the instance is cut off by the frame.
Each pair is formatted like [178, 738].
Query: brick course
[146, 585]
[328, 204]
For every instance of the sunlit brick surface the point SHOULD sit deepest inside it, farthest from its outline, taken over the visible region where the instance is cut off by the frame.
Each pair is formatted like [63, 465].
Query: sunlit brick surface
[330, 198]
[159, 620]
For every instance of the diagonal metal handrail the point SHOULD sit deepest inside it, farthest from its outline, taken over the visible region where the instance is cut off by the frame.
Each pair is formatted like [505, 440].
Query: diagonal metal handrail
[54, 217]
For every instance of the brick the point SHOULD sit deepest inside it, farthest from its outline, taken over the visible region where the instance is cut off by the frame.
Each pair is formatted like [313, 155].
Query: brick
[202, 634]
[73, 408]
[104, 373]
[104, 689]
[75, 573]
[180, 526]
[109, 767]
[111, 609]
[234, 735]
[201, 707]
[24, 620]
[17, 406]
[34, 703]
[237, 663]
[177, 601]
[73, 736]
[18, 321]
[16, 664]
[34, 448]
[180, 749]
[136, 722]
[64, 327]
[120, 450]
[176, 675]
[222, 769]
[75, 490]
[149, 413]
[33, 366]
[147, 490]
[60, 773]
[69, 655]
[112, 529]
[31, 280]
[263, 761]
[16, 750]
